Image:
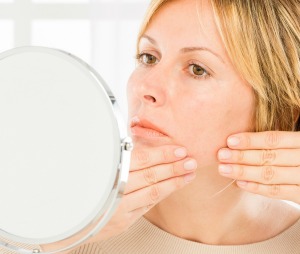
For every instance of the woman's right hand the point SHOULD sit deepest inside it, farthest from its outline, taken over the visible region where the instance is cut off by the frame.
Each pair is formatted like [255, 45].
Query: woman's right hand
[154, 174]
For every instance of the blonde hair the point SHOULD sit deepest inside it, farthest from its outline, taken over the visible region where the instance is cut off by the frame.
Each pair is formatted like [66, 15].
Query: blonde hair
[262, 39]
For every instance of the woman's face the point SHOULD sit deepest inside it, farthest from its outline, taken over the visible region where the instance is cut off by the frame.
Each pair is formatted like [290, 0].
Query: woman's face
[184, 90]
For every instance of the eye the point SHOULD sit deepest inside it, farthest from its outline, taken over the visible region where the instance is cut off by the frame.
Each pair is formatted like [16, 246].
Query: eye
[197, 71]
[147, 59]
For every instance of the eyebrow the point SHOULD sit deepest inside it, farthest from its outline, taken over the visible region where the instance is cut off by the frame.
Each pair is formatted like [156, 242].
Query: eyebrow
[185, 50]
[191, 49]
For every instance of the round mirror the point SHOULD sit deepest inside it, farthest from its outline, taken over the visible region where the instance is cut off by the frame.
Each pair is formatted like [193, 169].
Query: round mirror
[64, 151]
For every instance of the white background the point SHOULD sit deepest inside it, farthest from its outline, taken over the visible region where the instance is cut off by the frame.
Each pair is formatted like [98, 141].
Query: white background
[101, 32]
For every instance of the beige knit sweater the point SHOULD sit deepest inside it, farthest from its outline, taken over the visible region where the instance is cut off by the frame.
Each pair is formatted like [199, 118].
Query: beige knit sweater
[145, 238]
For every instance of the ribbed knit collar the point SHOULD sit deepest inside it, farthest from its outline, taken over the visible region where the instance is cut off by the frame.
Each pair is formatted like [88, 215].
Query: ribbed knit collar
[145, 238]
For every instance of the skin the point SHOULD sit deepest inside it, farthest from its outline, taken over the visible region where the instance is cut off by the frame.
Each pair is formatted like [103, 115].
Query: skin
[264, 163]
[200, 114]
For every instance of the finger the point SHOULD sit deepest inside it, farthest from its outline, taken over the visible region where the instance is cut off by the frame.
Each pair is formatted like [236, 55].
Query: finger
[151, 175]
[264, 140]
[261, 174]
[279, 157]
[277, 191]
[153, 194]
[134, 215]
[142, 158]
[137, 213]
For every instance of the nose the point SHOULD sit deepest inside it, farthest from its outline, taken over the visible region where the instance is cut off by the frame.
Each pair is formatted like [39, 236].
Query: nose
[151, 88]
[151, 99]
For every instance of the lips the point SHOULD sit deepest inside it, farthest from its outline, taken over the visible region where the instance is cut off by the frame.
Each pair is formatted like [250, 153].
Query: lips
[144, 128]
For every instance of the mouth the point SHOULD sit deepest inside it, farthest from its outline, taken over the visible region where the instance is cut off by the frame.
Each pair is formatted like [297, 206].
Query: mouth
[145, 129]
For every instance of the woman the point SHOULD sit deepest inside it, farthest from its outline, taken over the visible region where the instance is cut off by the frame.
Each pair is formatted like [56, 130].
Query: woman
[206, 71]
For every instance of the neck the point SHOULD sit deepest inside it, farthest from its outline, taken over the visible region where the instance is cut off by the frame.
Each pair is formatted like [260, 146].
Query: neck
[200, 213]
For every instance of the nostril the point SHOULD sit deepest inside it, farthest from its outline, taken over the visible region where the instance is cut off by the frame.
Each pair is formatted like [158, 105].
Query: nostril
[150, 98]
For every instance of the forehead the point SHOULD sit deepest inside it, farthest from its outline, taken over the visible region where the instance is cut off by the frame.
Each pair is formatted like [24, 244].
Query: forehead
[186, 23]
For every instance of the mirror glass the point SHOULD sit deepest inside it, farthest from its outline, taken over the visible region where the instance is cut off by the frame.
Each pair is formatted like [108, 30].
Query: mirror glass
[61, 146]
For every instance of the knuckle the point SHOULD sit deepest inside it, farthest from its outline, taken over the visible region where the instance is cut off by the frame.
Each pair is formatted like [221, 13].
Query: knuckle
[272, 138]
[247, 140]
[165, 155]
[175, 184]
[150, 175]
[267, 157]
[143, 157]
[154, 194]
[274, 190]
[267, 174]
[173, 170]
[240, 171]
[240, 156]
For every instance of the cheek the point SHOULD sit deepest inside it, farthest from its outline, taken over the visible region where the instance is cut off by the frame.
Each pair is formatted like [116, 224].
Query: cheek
[130, 85]
[135, 82]
[207, 121]
[132, 98]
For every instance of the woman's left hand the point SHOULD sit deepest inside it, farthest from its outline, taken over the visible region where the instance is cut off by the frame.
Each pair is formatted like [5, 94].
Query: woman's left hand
[265, 163]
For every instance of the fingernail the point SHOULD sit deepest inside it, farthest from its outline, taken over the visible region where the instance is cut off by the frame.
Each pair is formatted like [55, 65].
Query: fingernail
[225, 154]
[190, 177]
[233, 141]
[190, 164]
[242, 183]
[225, 169]
[180, 152]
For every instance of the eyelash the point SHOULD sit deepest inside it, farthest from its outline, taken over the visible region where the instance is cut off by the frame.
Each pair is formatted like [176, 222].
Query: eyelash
[139, 58]
[204, 76]
[191, 64]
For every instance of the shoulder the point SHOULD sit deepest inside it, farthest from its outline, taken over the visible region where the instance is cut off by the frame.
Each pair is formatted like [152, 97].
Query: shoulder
[281, 217]
[141, 237]
[144, 237]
